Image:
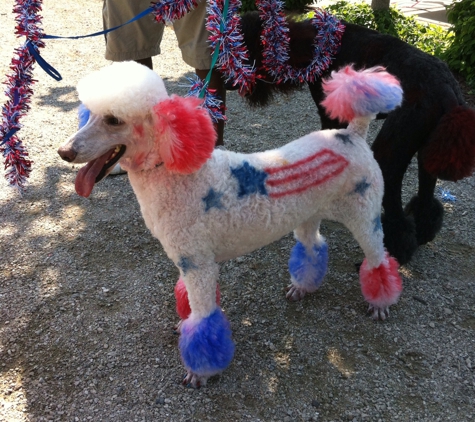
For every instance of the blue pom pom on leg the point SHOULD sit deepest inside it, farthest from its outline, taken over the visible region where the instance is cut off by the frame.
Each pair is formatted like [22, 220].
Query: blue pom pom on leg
[307, 269]
[206, 346]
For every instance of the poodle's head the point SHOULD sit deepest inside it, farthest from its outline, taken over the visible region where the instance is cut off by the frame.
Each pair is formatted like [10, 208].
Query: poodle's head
[131, 118]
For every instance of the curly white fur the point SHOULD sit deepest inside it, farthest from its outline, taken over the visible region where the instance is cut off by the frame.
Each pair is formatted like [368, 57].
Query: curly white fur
[123, 91]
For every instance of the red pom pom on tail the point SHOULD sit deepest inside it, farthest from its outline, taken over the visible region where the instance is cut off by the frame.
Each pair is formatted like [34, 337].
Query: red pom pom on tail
[182, 304]
[381, 286]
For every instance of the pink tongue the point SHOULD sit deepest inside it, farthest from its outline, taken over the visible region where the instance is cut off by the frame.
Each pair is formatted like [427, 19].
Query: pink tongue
[86, 176]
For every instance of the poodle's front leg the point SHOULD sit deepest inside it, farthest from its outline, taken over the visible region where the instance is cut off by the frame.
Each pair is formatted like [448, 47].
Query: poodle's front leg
[205, 341]
[393, 149]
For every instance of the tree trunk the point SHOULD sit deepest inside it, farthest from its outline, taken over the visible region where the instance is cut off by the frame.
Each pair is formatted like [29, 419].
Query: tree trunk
[380, 4]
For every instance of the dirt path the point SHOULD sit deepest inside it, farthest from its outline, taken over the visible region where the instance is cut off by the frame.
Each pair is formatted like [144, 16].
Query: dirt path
[86, 293]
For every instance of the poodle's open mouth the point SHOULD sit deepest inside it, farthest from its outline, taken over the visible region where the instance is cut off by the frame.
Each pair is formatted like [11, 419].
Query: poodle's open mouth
[95, 170]
[117, 152]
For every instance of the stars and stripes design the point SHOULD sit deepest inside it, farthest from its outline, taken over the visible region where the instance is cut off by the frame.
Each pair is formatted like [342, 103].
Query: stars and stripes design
[289, 179]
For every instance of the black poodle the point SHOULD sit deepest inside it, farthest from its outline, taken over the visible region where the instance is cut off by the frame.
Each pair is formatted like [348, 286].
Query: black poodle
[433, 121]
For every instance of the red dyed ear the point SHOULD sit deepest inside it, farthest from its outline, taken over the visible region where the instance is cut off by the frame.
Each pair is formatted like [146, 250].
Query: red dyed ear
[186, 133]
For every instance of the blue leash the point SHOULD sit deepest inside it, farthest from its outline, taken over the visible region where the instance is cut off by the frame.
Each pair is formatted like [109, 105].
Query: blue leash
[50, 70]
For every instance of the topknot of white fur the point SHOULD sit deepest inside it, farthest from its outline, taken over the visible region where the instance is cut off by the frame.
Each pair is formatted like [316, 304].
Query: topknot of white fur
[123, 90]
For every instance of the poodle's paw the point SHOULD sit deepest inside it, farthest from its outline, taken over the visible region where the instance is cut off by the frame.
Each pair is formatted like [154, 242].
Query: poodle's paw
[177, 327]
[378, 314]
[294, 293]
[428, 217]
[193, 380]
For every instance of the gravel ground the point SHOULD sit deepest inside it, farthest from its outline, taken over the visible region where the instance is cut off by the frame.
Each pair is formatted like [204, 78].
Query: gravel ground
[86, 293]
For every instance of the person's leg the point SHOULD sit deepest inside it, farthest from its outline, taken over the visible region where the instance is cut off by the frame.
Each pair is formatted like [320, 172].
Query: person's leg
[192, 39]
[139, 40]
[146, 62]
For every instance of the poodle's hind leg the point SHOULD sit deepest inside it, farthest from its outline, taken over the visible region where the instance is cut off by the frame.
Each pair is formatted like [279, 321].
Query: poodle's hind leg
[205, 344]
[308, 260]
[381, 284]
[426, 210]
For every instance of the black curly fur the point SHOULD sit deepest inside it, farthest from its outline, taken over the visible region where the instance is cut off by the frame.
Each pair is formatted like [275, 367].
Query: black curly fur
[428, 217]
[400, 237]
[430, 92]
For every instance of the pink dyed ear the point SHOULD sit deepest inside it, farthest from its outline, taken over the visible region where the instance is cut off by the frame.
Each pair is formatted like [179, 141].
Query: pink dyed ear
[187, 135]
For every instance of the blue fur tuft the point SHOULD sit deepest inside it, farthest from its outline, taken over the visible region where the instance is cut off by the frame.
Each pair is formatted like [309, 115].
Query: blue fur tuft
[379, 97]
[308, 270]
[83, 115]
[206, 346]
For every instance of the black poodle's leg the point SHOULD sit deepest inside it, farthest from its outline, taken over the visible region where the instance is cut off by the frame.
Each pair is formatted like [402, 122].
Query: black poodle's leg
[399, 230]
[393, 156]
[426, 210]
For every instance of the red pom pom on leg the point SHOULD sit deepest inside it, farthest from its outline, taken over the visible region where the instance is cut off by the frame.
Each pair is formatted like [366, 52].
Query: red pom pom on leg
[381, 286]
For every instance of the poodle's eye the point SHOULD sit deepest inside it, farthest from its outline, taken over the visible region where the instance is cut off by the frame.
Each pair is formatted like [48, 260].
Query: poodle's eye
[112, 121]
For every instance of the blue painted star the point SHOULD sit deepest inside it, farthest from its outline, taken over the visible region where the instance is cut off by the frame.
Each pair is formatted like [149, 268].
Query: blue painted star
[361, 187]
[186, 264]
[377, 224]
[344, 138]
[213, 199]
[250, 180]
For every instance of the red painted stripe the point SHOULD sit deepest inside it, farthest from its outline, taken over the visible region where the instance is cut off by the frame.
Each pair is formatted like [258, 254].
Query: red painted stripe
[321, 153]
[316, 182]
[310, 171]
[320, 168]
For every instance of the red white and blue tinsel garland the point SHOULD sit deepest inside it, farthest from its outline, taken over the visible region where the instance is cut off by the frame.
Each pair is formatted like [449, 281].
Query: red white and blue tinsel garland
[19, 91]
[211, 101]
[226, 36]
[233, 56]
[275, 40]
[167, 11]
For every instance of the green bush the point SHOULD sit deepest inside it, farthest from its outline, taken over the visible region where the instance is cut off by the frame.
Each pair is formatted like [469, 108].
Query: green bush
[461, 54]
[432, 39]
[292, 5]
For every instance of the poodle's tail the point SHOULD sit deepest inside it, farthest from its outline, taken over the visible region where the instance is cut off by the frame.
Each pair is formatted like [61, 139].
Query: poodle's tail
[352, 94]
[450, 152]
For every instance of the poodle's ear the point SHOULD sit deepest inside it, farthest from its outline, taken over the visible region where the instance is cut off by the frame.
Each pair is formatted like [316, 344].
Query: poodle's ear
[186, 133]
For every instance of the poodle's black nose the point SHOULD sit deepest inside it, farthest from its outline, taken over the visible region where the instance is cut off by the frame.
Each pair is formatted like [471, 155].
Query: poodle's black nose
[67, 154]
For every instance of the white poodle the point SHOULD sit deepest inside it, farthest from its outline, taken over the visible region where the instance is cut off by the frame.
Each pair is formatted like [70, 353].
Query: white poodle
[207, 205]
